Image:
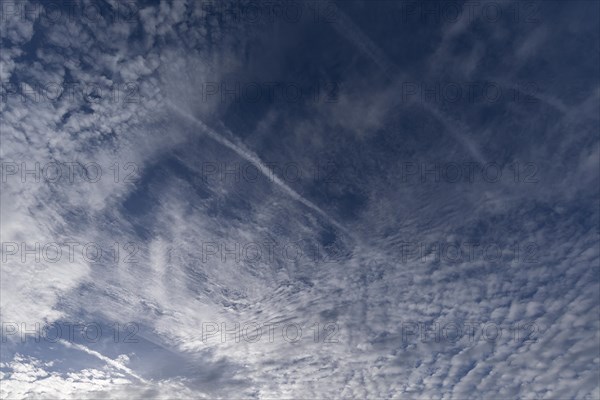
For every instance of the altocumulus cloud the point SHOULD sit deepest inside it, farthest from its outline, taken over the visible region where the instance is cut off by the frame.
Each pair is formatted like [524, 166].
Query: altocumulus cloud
[300, 199]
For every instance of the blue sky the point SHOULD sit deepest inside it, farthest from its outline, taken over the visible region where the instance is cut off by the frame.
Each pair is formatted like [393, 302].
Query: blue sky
[402, 197]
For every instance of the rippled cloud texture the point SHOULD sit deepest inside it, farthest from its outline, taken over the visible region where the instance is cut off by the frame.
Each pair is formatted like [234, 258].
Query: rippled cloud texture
[300, 199]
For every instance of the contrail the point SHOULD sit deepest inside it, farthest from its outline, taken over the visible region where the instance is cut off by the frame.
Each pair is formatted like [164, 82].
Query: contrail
[247, 154]
[107, 360]
[344, 25]
[347, 28]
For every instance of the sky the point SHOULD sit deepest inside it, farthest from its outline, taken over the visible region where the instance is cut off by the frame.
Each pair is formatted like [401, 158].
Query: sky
[265, 199]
